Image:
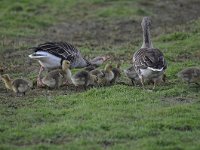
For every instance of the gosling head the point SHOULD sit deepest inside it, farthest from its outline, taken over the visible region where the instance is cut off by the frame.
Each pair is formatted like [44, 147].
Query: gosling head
[146, 22]
[108, 67]
[65, 64]
[5, 77]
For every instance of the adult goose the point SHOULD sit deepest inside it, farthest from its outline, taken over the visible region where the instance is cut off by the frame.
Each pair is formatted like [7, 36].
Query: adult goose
[149, 62]
[50, 55]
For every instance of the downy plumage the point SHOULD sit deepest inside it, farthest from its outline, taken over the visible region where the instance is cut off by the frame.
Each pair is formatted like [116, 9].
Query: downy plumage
[19, 86]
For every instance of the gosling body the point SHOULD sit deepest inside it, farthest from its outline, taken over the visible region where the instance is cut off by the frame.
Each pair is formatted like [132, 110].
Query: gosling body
[56, 78]
[190, 75]
[84, 78]
[19, 86]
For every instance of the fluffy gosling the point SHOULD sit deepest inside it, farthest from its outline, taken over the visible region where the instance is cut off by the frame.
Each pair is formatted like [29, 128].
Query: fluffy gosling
[107, 76]
[117, 73]
[19, 86]
[84, 78]
[190, 75]
[56, 78]
[132, 74]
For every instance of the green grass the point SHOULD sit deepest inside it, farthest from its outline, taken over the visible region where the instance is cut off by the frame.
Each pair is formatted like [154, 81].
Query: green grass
[115, 117]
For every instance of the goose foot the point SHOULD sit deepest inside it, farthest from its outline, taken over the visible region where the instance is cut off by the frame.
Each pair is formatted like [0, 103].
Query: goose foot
[39, 83]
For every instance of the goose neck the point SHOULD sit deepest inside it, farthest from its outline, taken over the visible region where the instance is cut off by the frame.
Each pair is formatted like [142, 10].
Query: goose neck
[146, 37]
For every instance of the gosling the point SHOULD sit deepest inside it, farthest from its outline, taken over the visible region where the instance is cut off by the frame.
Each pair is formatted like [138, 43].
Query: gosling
[56, 78]
[132, 75]
[19, 86]
[84, 78]
[107, 76]
[117, 73]
[190, 75]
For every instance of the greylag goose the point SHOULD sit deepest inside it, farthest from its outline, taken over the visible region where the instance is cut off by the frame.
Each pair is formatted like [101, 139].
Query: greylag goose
[19, 86]
[190, 75]
[50, 55]
[84, 78]
[149, 62]
[56, 78]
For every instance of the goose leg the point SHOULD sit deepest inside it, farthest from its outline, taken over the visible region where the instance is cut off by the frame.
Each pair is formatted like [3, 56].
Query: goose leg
[154, 85]
[133, 82]
[142, 82]
[39, 81]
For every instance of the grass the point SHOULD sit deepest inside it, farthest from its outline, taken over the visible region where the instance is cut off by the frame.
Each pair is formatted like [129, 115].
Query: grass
[115, 117]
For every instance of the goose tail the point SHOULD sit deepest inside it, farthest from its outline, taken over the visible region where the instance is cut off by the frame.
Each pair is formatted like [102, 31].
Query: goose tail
[154, 69]
[37, 56]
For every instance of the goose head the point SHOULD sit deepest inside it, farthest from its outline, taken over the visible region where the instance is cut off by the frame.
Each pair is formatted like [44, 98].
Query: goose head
[146, 22]
[99, 60]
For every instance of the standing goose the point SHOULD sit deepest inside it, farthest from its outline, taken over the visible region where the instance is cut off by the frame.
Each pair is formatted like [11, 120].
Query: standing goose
[149, 62]
[50, 55]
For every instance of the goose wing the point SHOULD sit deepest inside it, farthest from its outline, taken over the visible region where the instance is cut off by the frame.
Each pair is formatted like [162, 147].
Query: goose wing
[149, 58]
[62, 50]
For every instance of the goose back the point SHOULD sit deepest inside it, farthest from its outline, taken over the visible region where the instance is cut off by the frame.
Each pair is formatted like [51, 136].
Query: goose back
[63, 50]
[149, 57]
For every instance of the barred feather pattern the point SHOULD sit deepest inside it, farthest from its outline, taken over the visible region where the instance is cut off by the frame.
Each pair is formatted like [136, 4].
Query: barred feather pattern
[63, 50]
[149, 57]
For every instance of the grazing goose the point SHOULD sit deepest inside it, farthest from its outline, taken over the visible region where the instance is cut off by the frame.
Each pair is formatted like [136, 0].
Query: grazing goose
[190, 75]
[56, 78]
[50, 55]
[84, 78]
[19, 86]
[149, 62]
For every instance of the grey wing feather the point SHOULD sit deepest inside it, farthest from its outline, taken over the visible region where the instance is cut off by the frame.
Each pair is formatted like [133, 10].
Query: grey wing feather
[149, 57]
[60, 49]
